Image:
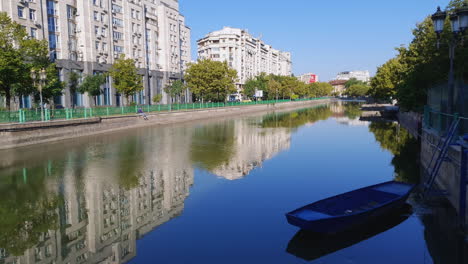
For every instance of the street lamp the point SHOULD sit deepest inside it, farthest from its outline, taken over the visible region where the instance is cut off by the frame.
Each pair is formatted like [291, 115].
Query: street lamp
[463, 17]
[42, 78]
[459, 24]
[439, 19]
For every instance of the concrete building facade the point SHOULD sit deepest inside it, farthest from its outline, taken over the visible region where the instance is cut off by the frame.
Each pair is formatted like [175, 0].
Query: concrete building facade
[248, 55]
[308, 78]
[359, 75]
[88, 36]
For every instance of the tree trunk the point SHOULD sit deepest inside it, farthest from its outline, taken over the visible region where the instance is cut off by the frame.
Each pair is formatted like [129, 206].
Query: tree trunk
[8, 99]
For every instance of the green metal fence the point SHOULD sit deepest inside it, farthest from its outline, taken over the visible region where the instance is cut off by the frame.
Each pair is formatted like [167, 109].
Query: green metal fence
[34, 115]
[439, 121]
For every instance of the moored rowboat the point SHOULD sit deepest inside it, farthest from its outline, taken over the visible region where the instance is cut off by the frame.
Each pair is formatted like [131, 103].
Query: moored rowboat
[341, 212]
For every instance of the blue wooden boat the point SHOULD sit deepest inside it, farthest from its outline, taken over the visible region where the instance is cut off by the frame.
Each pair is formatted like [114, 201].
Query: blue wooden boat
[344, 211]
[309, 246]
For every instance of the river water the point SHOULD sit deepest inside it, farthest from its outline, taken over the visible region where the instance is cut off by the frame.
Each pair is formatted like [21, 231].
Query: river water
[215, 192]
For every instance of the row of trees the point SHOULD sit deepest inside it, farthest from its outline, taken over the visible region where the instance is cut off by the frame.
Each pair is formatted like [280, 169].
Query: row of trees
[20, 54]
[284, 87]
[420, 65]
[208, 80]
[356, 88]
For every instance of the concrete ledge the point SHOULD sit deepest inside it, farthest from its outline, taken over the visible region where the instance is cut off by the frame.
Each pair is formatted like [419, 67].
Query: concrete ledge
[20, 135]
[48, 124]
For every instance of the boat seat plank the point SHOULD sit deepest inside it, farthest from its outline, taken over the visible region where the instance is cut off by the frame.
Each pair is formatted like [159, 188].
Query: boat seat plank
[310, 215]
[394, 188]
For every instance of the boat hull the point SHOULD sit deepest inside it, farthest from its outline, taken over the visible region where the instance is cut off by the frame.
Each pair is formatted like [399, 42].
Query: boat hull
[340, 223]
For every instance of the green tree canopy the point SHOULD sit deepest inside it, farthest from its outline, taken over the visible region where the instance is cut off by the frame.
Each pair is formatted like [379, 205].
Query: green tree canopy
[320, 89]
[125, 75]
[353, 81]
[421, 65]
[19, 54]
[175, 89]
[357, 90]
[260, 83]
[92, 84]
[211, 80]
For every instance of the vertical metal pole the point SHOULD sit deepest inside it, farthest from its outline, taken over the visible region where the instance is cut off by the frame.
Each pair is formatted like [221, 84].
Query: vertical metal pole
[42, 105]
[462, 198]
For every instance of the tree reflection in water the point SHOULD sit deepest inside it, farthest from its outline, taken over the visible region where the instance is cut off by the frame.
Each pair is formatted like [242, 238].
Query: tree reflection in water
[403, 146]
[27, 209]
[297, 118]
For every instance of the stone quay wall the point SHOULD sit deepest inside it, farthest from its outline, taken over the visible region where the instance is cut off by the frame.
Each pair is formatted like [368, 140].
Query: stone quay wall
[448, 178]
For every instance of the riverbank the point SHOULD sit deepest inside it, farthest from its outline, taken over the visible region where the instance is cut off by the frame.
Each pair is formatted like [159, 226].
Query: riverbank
[20, 135]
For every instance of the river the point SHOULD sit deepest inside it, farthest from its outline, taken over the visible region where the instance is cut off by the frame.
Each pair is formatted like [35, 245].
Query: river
[214, 192]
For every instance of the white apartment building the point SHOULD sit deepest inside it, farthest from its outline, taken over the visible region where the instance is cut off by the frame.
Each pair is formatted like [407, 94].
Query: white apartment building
[248, 55]
[359, 75]
[308, 78]
[86, 36]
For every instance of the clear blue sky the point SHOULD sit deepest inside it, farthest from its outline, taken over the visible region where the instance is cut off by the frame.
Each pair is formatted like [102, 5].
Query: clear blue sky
[324, 37]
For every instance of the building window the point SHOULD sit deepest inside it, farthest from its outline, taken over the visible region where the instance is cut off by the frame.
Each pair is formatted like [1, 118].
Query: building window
[117, 22]
[33, 33]
[20, 11]
[118, 35]
[97, 16]
[116, 8]
[32, 14]
[97, 45]
[53, 41]
[53, 26]
[118, 49]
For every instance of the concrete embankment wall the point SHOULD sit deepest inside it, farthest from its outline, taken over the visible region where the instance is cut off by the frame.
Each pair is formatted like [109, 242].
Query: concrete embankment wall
[18, 135]
[448, 178]
[411, 121]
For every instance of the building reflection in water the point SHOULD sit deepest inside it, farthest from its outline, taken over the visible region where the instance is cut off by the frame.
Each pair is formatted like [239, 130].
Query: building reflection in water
[93, 204]
[91, 199]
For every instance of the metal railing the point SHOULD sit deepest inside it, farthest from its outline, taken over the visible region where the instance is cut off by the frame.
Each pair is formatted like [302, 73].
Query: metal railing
[440, 122]
[34, 115]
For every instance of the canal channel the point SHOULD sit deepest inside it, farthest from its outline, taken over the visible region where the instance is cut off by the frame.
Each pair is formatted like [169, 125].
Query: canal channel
[216, 192]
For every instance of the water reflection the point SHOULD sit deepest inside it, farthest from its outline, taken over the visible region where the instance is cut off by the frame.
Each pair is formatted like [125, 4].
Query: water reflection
[94, 203]
[90, 200]
[404, 147]
[310, 246]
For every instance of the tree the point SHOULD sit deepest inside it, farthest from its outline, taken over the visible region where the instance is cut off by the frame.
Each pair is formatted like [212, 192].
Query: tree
[211, 80]
[127, 81]
[175, 89]
[73, 85]
[274, 89]
[456, 4]
[157, 98]
[19, 54]
[259, 83]
[92, 85]
[420, 66]
[387, 78]
[320, 89]
[357, 90]
[352, 82]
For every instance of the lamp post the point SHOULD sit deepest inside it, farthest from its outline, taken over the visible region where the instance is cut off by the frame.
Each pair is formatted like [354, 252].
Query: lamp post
[459, 24]
[42, 78]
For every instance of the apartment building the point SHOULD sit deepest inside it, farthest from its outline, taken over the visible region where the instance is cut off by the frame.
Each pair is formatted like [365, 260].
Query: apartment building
[308, 78]
[87, 36]
[248, 55]
[359, 75]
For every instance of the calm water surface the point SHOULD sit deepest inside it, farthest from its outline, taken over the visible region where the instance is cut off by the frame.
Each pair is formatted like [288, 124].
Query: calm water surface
[213, 192]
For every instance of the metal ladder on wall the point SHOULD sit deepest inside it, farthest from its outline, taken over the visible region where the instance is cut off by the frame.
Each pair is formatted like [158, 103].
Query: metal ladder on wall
[440, 151]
